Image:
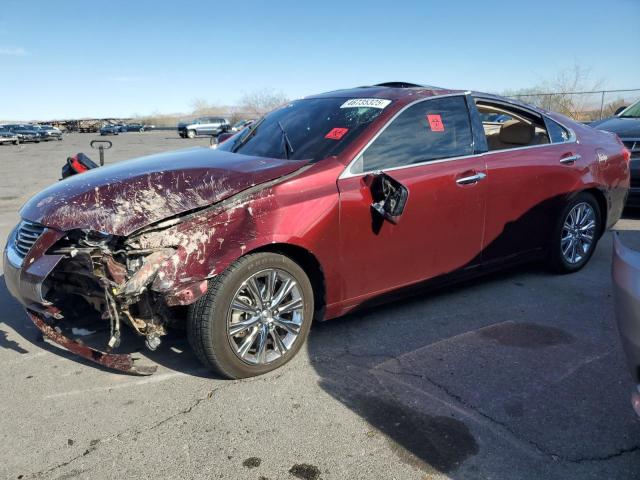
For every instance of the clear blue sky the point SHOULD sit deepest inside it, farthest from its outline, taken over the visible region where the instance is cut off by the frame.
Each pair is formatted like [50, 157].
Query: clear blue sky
[62, 59]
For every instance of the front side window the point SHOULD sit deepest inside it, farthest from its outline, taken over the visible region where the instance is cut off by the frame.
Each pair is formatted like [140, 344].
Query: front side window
[430, 130]
[312, 128]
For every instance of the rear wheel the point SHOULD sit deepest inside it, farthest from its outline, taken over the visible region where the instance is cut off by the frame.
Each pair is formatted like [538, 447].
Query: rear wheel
[254, 317]
[191, 133]
[576, 234]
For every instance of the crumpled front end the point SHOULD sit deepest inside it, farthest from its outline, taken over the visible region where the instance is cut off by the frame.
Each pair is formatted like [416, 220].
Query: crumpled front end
[66, 279]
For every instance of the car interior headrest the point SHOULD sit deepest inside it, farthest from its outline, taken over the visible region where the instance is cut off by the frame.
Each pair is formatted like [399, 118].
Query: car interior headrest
[517, 132]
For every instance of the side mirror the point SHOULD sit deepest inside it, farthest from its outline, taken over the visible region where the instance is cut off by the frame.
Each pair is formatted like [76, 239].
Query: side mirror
[389, 196]
[619, 110]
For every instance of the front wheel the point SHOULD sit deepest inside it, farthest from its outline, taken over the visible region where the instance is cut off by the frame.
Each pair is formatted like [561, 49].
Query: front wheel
[254, 317]
[576, 234]
[191, 134]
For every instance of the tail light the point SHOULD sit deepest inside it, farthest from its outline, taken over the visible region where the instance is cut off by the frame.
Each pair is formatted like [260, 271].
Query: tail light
[626, 154]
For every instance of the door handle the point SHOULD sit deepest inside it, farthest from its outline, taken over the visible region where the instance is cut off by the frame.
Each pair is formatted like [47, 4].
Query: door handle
[571, 159]
[471, 179]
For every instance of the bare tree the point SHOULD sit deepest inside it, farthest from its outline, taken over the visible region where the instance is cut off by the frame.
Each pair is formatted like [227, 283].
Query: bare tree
[562, 93]
[262, 101]
[200, 106]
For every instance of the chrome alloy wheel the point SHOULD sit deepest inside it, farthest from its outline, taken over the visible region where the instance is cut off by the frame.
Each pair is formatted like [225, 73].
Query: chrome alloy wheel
[578, 233]
[265, 316]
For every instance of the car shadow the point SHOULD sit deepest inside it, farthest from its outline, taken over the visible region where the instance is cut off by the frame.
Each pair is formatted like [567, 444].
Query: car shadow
[452, 379]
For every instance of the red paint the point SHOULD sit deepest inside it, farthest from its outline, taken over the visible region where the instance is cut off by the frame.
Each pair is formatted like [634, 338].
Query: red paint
[435, 123]
[336, 133]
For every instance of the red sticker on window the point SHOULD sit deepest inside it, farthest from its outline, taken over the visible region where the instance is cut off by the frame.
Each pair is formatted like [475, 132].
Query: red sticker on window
[336, 133]
[435, 123]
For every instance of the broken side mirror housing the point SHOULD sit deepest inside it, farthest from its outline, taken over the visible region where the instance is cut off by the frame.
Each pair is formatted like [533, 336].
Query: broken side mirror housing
[389, 196]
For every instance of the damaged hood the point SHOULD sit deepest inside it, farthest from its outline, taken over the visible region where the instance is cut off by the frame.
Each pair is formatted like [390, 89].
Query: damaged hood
[122, 198]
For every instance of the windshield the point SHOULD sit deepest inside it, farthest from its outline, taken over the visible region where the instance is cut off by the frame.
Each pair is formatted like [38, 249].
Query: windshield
[632, 111]
[305, 129]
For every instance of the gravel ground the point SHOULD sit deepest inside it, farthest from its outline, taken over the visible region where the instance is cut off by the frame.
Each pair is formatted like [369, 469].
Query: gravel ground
[517, 375]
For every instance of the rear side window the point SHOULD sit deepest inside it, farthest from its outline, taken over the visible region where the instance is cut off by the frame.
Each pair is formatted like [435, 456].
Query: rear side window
[427, 131]
[557, 132]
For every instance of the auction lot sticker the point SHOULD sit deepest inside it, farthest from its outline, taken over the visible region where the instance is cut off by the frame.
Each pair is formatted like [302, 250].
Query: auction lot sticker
[366, 102]
[435, 123]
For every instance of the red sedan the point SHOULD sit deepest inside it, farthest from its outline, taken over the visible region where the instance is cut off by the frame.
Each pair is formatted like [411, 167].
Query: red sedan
[325, 205]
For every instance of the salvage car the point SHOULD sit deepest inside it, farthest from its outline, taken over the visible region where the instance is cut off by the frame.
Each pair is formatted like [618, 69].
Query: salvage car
[7, 136]
[49, 132]
[110, 130]
[626, 289]
[25, 132]
[134, 127]
[626, 124]
[328, 204]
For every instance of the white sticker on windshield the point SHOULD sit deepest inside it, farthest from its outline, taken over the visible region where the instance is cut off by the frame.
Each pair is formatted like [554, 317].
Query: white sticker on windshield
[366, 102]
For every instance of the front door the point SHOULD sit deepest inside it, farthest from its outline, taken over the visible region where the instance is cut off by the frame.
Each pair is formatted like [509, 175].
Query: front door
[428, 149]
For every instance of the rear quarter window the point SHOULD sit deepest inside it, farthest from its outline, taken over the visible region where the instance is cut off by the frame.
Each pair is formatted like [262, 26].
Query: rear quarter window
[557, 133]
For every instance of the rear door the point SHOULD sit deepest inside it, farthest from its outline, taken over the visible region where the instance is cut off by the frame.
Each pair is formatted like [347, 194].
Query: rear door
[527, 182]
[429, 149]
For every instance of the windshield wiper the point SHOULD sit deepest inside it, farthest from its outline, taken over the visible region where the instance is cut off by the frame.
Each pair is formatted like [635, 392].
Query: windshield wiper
[248, 135]
[288, 148]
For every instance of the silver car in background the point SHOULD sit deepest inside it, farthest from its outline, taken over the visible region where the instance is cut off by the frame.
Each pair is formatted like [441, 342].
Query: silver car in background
[626, 292]
[7, 136]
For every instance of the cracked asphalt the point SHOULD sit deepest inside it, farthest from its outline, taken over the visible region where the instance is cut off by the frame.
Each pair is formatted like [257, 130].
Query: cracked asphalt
[518, 375]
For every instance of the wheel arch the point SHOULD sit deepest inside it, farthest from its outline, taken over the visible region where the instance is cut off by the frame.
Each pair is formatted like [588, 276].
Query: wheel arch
[603, 204]
[310, 264]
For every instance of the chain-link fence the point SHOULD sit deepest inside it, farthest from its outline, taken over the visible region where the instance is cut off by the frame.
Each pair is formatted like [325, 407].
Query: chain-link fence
[582, 106]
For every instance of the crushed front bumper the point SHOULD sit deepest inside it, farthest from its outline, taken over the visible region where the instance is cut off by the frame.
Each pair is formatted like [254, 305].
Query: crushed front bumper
[116, 361]
[25, 279]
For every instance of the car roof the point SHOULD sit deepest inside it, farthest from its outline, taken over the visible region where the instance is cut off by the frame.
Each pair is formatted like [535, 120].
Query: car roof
[388, 90]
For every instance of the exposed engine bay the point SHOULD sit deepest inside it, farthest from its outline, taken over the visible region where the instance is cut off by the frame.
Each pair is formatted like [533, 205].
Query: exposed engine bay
[113, 277]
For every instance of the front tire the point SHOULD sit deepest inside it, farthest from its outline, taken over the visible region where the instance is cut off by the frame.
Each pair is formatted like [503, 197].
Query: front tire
[191, 133]
[254, 317]
[576, 234]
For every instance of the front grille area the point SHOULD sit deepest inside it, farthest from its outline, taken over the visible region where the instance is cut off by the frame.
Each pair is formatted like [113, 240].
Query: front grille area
[26, 236]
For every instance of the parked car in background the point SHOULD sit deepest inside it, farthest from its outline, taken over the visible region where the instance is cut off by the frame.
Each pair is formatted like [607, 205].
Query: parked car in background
[626, 292]
[626, 124]
[210, 126]
[110, 130]
[49, 132]
[25, 132]
[319, 208]
[135, 127]
[7, 136]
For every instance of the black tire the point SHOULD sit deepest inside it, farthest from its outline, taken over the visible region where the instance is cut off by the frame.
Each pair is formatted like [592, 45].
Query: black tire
[16, 142]
[557, 261]
[207, 318]
[192, 134]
